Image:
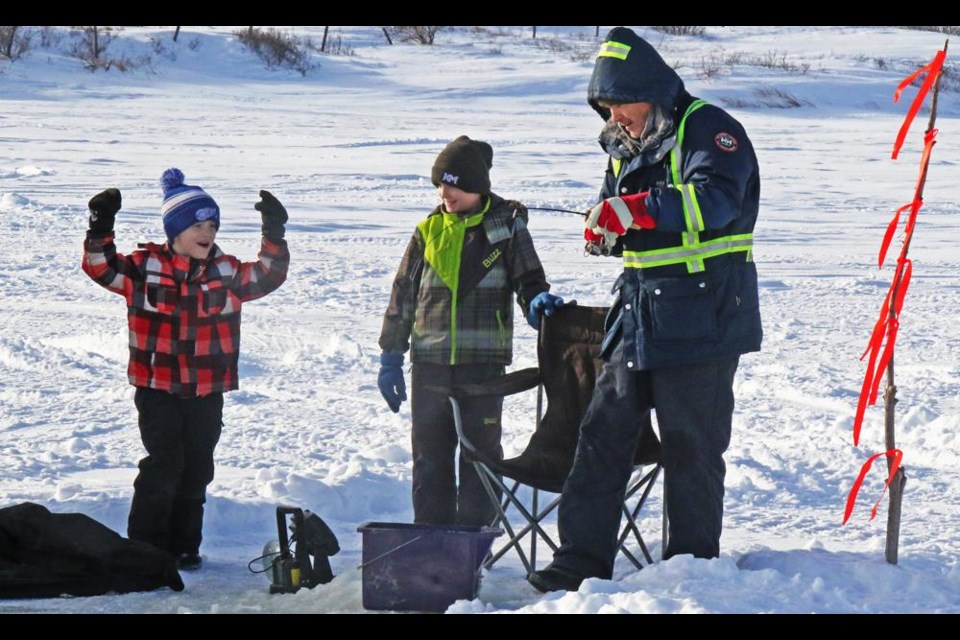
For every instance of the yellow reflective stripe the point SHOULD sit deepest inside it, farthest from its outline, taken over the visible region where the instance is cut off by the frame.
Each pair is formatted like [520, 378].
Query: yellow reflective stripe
[675, 152]
[617, 163]
[692, 252]
[694, 220]
[693, 255]
[675, 159]
[611, 49]
[691, 208]
[691, 240]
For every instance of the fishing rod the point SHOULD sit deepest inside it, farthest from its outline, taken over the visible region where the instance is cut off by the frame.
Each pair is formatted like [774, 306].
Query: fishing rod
[579, 213]
[591, 248]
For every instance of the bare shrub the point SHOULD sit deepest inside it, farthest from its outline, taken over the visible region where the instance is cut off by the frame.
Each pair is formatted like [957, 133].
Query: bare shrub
[737, 103]
[710, 66]
[336, 47]
[278, 49]
[126, 63]
[732, 59]
[492, 32]
[948, 78]
[554, 44]
[582, 55]
[681, 31]
[776, 60]
[768, 97]
[419, 35]
[49, 36]
[716, 62]
[162, 49]
[90, 46]
[575, 51]
[14, 42]
[780, 99]
[951, 31]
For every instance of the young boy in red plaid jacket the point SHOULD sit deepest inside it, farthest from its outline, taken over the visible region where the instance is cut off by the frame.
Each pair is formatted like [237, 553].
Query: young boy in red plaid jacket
[183, 311]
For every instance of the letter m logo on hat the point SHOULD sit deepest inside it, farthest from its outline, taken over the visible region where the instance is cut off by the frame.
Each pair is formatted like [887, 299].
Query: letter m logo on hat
[449, 178]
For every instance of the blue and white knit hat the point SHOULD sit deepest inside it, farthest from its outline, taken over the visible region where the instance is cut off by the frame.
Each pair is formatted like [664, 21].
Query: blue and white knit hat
[184, 205]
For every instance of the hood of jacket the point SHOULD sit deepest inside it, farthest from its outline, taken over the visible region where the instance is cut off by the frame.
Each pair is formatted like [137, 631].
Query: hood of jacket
[629, 69]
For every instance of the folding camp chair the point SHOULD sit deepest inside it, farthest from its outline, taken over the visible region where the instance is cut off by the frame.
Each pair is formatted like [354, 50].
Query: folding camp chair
[568, 358]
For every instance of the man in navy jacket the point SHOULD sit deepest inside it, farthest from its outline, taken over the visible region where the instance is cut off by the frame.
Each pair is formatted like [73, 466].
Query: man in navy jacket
[679, 203]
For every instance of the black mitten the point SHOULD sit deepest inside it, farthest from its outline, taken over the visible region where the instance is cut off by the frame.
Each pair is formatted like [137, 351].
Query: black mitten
[273, 214]
[103, 210]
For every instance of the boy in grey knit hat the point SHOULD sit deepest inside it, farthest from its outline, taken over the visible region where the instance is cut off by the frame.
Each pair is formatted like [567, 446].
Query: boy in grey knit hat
[452, 307]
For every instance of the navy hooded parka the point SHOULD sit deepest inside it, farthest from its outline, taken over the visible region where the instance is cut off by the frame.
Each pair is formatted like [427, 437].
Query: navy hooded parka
[705, 307]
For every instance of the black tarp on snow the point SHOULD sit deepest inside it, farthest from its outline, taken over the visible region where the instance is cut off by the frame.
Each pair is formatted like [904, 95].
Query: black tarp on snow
[44, 554]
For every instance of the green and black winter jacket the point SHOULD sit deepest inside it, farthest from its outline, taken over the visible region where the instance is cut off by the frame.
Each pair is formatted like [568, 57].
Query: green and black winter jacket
[452, 298]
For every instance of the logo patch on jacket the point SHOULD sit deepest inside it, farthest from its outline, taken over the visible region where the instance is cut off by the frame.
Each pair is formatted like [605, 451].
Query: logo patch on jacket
[490, 259]
[726, 142]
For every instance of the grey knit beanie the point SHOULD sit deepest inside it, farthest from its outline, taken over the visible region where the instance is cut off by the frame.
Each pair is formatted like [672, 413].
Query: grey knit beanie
[465, 164]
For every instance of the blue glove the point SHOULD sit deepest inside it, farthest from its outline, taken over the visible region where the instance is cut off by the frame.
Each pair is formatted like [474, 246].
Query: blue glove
[390, 381]
[544, 304]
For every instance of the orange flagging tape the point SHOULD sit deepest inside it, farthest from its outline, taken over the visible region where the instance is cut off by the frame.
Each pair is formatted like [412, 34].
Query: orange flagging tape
[897, 456]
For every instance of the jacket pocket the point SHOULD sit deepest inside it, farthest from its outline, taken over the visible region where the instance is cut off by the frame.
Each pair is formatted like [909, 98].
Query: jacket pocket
[214, 298]
[611, 338]
[681, 311]
[161, 298]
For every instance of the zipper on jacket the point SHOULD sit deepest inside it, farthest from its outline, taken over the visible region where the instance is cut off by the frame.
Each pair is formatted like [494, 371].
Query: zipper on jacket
[502, 328]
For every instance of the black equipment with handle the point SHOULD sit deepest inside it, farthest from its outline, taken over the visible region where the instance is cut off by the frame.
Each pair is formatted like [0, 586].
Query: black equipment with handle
[304, 558]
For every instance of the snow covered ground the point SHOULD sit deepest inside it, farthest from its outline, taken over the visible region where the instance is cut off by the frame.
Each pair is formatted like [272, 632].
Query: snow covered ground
[348, 148]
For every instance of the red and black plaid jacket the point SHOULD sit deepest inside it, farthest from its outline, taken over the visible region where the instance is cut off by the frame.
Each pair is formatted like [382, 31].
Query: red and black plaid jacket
[184, 314]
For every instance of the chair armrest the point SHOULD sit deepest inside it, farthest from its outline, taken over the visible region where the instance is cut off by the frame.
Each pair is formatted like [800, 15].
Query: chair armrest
[505, 385]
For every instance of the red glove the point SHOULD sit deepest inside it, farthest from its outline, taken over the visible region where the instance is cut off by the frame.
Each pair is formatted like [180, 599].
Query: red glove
[597, 245]
[590, 236]
[611, 218]
[619, 214]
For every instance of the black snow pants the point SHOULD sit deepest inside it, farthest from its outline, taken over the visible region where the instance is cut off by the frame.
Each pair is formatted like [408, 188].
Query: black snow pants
[437, 496]
[694, 411]
[180, 435]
